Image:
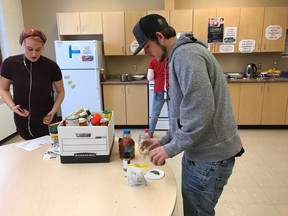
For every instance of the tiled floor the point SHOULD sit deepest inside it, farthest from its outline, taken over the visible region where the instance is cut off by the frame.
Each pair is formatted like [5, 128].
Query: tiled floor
[259, 183]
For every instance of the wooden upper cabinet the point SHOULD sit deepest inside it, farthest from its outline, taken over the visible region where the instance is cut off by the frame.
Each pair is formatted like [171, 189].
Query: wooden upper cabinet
[68, 23]
[231, 19]
[91, 22]
[79, 23]
[164, 13]
[113, 33]
[251, 26]
[181, 20]
[200, 24]
[131, 18]
[275, 20]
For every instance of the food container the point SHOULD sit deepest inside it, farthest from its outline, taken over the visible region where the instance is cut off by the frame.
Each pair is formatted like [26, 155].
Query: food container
[104, 122]
[107, 114]
[72, 120]
[83, 122]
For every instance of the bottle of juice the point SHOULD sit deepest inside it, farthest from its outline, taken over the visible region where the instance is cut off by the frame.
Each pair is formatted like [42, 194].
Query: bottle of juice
[127, 144]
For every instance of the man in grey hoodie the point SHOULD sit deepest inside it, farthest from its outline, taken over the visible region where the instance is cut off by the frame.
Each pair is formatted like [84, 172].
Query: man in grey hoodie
[202, 122]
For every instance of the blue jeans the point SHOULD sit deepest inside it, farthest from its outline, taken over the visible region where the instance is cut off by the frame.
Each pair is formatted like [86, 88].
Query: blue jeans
[158, 102]
[202, 185]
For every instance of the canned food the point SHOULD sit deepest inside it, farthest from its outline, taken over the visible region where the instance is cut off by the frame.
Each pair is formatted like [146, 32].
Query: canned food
[83, 122]
[104, 122]
[107, 114]
[72, 120]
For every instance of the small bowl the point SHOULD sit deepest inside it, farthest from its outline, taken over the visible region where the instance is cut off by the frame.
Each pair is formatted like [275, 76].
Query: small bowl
[138, 76]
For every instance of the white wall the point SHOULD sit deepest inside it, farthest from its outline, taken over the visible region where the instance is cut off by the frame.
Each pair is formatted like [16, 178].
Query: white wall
[11, 25]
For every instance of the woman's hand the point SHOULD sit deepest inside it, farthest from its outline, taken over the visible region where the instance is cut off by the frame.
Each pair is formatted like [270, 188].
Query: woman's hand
[48, 118]
[20, 110]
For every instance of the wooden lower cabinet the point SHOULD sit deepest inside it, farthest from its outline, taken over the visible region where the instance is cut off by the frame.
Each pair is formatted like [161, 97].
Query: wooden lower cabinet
[263, 103]
[128, 101]
[250, 103]
[274, 104]
[234, 89]
[286, 120]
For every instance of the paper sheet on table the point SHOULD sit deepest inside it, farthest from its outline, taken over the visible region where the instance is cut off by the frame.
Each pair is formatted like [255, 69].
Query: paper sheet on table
[33, 144]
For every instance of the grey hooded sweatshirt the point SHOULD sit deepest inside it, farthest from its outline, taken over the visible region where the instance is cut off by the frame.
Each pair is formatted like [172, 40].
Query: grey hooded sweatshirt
[202, 121]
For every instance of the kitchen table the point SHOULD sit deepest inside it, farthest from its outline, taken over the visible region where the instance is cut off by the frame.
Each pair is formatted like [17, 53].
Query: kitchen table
[31, 186]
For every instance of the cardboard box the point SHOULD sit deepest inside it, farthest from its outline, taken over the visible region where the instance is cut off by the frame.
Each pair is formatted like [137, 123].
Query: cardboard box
[86, 144]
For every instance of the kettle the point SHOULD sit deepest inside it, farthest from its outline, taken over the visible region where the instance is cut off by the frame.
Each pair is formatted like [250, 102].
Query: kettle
[125, 77]
[250, 70]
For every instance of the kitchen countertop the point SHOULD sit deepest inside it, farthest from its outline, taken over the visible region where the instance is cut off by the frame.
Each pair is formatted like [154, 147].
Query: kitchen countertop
[118, 82]
[229, 80]
[257, 80]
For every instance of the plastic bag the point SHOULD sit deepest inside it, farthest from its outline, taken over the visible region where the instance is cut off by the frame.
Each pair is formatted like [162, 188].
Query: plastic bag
[136, 173]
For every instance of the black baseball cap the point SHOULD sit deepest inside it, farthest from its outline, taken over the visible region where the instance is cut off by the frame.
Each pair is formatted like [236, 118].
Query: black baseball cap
[146, 28]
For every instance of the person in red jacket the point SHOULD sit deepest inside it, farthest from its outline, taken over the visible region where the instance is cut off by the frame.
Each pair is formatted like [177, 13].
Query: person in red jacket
[159, 72]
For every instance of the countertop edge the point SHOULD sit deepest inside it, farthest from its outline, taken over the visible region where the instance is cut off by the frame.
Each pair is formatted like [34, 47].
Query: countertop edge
[258, 80]
[117, 81]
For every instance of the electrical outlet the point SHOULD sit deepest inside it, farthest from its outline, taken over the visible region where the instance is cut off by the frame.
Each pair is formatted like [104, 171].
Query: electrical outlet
[135, 68]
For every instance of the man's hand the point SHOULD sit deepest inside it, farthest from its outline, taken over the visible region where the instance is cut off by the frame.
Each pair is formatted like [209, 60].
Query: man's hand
[158, 156]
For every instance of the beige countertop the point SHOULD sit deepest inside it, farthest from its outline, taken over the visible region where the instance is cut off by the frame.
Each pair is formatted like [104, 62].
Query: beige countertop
[258, 80]
[233, 80]
[118, 82]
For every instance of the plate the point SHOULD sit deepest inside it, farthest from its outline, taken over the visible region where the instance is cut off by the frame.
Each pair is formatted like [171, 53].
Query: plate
[154, 174]
[138, 76]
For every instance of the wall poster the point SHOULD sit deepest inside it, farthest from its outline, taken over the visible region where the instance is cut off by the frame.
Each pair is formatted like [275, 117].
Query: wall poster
[247, 46]
[273, 32]
[215, 29]
[230, 34]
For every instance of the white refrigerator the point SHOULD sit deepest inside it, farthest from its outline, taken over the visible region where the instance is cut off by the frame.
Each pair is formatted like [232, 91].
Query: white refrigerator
[80, 63]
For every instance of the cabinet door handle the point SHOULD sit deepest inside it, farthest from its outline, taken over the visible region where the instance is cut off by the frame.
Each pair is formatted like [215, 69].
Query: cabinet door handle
[122, 90]
[83, 29]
